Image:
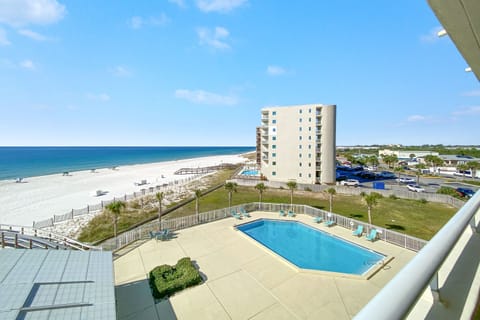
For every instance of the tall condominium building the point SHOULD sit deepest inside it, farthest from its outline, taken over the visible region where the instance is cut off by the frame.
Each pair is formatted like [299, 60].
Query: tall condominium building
[298, 143]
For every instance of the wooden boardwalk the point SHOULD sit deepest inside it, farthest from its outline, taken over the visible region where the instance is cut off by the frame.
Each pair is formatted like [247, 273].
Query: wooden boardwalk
[200, 170]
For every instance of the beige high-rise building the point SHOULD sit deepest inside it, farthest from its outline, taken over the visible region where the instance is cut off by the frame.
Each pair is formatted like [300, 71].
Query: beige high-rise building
[297, 143]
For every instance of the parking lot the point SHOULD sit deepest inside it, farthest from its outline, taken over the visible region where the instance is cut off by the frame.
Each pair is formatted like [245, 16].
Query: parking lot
[367, 179]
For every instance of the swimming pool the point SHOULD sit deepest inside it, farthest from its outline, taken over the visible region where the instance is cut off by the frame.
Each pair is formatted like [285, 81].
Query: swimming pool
[250, 172]
[310, 248]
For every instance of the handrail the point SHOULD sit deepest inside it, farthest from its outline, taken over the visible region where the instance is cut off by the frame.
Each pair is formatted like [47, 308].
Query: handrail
[398, 297]
[50, 236]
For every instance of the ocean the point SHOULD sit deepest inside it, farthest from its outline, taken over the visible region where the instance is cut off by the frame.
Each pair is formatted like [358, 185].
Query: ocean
[21, 162]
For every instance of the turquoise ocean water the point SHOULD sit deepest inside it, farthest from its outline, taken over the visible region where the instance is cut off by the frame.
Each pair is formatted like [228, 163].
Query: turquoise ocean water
[36, 161]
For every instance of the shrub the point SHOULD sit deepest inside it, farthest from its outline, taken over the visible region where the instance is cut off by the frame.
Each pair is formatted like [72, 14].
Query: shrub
[392, 196]
[165, 280]
[423, 200]
[449, 191]
[307, 189]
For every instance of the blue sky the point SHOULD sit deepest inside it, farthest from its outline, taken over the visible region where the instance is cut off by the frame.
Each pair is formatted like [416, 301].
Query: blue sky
[197, 72]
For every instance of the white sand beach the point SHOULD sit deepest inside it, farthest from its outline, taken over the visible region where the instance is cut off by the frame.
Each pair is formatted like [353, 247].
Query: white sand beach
[39, 198]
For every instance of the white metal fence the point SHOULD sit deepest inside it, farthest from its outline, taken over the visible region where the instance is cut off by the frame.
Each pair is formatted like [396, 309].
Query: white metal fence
[142, 232]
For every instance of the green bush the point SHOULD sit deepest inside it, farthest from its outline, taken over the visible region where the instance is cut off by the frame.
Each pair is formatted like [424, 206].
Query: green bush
[165, 280]
[449, 191]
[423, 200]
[393, 197]
[308, 189]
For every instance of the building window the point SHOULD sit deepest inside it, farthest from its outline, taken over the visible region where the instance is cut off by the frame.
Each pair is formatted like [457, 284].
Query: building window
[274, 173]
[299, 128]
[300, 120]
[274, 138]
[309, 119]
[274, 113]
[309, 128]
[309, 146]
[274, 146]
[300, 138]
[309, 164]
[274, 163]
[274, 129]
[310, 110]
[309, 175]
[300, 174]
[274, 121]
[309, 155]
[300, 111]
[299, 164]
[299, 155]
[299, 146]
[274, 154]
[309, 137]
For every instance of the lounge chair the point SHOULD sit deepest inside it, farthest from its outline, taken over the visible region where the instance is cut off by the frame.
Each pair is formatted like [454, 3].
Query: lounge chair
[372, 235]
[359, 231]
[282, 213]
[156, 235]
[236, 215]
[291, 213]
[329, 223]
[244, 213]
[317, 219]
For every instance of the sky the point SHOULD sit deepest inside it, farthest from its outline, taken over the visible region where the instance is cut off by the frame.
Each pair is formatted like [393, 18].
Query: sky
[198, 72]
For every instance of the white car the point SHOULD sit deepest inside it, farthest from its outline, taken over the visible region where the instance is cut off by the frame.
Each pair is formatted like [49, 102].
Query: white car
[350, 182]
[415, 188]
[406, 180]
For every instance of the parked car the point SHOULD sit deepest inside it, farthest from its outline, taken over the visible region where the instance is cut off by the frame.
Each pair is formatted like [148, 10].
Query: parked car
[386, 175]
[406, 180]
[415, 188]
[341, 177]
[350, 182]
[465, 192]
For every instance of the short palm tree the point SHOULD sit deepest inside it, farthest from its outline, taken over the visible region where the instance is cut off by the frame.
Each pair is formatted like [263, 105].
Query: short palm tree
[231, 187]
[420, 167]
[115, 209]
[371, 200]
[399, 170]
[292, 185]
[331, 192]
[198, 194]
[261, 187]
[159, 196]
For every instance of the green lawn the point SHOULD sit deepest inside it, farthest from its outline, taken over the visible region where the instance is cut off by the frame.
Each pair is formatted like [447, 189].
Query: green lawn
[412, 217]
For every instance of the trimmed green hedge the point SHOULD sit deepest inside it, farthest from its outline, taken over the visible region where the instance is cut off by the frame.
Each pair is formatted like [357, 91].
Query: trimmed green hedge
[165, 280]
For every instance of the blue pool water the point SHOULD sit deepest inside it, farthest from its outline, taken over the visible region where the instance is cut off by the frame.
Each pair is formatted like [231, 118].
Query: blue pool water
[309, 248]
[250, 172]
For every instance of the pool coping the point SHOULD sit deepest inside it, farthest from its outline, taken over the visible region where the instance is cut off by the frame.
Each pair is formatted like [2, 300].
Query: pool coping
[365, 276]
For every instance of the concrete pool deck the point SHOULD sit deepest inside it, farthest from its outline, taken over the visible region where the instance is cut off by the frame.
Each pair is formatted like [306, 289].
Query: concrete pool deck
[243, 279]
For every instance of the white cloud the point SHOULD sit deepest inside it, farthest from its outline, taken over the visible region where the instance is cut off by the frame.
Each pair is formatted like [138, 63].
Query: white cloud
[179, 3]
[221, 6]
[205, 97]
[120, 71]
[23, 12]
[28, 64]
[432, 36]
[32, 35]
[103, 97]
[416, 118]
[473, 93]
[3, 38]
[275, 70]
[467, 111]
[137, 22]
[215, 38]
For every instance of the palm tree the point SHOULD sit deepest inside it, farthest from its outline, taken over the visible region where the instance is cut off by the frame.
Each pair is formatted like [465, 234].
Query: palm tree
[371, 200]
[292, 185]
[261, 187]
[159, 196]
[331, 192]
[412, 156]
[399, 170]
[198, 194]
[231, 187]
[115, 208]
[420, 167]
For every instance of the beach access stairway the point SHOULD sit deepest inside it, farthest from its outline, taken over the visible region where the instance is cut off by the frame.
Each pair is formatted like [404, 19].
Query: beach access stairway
[21, 237]
[202, 170]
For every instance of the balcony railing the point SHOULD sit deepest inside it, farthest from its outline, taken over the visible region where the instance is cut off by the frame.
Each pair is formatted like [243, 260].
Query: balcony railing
[401, 295]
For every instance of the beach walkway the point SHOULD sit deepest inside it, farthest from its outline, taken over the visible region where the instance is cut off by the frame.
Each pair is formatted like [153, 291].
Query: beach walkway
[208, 169]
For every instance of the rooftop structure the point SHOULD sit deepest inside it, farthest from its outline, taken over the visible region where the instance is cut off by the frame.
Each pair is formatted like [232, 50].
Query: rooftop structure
[298, 143]
[405, 154]
[56, 284]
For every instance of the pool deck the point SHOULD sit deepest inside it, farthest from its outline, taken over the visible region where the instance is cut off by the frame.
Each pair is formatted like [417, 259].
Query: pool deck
[243, 279]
